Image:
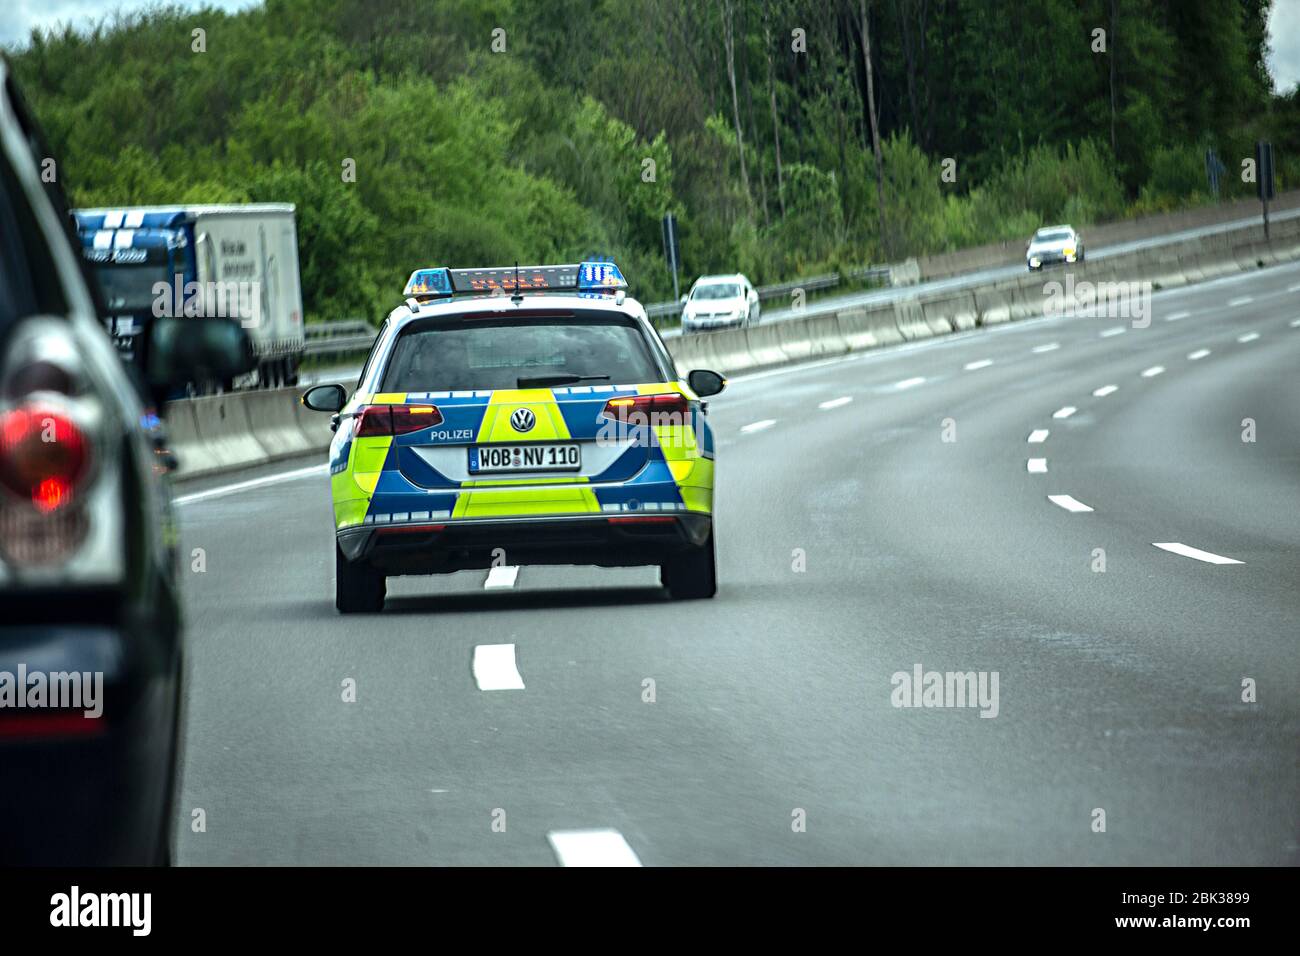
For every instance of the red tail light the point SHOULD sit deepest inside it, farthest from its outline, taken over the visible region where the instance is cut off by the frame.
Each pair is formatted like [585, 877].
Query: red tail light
[43, 456]
[647, 409]
[395, 419]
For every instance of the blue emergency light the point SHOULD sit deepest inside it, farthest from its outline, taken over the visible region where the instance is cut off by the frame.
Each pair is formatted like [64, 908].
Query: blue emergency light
[429, 282]
[600, 277]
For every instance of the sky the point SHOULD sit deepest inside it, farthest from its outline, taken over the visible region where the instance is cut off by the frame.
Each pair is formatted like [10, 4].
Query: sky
[18, 17]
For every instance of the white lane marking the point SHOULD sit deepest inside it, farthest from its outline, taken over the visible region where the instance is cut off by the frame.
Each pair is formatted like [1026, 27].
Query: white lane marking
[910, 383]
[252, 483]
[982, 363]
[1198, 354]
[1177, 547]
[1049, 347]
[757, 426]
[1294, 288]
[836, 402]
[1153, 371]
[1117, 330]
[1295, 323]
[1068, 502]
[1175, 316]
[502, 576]
[1248, 337]
[1105, 390]
[495, 669]
[1036, 466]
[1038, 436]
[1065, 412]
[1240, 300]
[953, 341]
[591, 848]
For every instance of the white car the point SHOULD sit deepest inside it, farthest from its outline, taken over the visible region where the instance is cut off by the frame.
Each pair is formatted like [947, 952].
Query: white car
[1053, 244]
[719, 302]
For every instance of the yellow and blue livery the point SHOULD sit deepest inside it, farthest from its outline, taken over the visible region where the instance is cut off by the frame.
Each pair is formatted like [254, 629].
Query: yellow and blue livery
[520, 416]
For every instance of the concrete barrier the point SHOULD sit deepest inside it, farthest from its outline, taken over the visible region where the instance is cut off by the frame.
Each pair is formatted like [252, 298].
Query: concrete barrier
[729, 352]
[817, 337]
[313, 426]
[688, 353]
[910, 317]
[950, 313]
[274, 419]
[868, 328]
[765, 345]
[992, 305]
[225, 432]
[192, 456]
[1026, 297]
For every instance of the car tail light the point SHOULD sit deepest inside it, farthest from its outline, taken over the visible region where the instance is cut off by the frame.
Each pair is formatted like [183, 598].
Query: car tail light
[647, 409]
[373, 420]
[43, 457]
[643, 519]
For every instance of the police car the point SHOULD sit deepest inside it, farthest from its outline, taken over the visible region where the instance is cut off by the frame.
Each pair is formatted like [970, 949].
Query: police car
[519, 416]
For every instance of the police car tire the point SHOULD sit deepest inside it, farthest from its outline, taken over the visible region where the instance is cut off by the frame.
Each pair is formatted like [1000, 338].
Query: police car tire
[691, 575]
[358, 588]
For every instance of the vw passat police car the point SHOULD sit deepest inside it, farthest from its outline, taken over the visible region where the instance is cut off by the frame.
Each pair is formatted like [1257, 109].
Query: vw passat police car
[519, 416]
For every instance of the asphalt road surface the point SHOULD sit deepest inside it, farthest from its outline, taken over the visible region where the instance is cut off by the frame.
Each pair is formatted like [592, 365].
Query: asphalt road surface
[855, 543]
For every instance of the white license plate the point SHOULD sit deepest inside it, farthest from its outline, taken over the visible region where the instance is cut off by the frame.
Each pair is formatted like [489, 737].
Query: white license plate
[484, 459]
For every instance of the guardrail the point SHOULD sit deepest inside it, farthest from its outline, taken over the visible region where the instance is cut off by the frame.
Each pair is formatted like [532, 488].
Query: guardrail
[232, 431]
[659, 310]
[838, 328]
[357, 335]
[337, 338]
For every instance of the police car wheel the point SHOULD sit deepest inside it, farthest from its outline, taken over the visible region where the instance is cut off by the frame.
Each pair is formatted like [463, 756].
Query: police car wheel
[358, 588]
[691, 575]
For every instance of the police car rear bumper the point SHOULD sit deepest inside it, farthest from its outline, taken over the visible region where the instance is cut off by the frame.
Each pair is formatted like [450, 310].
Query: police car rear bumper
[622, 540]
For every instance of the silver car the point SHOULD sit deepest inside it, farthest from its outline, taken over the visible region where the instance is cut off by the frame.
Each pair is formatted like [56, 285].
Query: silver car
[720, 302]
[1053, 244]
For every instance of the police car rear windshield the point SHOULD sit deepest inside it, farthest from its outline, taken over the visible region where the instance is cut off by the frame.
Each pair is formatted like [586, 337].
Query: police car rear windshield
[490, 353]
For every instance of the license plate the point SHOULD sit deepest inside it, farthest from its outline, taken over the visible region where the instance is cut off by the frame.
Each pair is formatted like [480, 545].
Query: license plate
[497, 458]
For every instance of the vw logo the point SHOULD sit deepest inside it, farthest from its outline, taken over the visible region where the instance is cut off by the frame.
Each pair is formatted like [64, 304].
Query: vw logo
[523, 420]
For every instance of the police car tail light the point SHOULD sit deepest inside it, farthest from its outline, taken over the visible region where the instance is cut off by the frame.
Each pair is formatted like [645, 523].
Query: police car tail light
[43, 457]
[640, 408]
[377, 420]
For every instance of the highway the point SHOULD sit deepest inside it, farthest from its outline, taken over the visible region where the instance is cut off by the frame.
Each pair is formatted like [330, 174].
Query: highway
[969, 280]
[876, 513]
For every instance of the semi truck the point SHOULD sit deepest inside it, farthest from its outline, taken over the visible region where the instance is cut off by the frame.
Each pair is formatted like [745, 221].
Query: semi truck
[233, 261]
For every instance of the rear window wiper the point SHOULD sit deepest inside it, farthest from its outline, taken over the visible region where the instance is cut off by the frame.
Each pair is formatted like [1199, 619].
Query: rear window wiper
[546, 381]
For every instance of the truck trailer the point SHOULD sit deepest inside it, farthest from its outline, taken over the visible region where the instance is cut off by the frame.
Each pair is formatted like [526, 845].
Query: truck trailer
[236, 261]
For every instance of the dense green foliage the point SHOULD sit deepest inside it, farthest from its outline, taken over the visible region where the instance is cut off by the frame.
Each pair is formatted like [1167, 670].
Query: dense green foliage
[597, 117]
